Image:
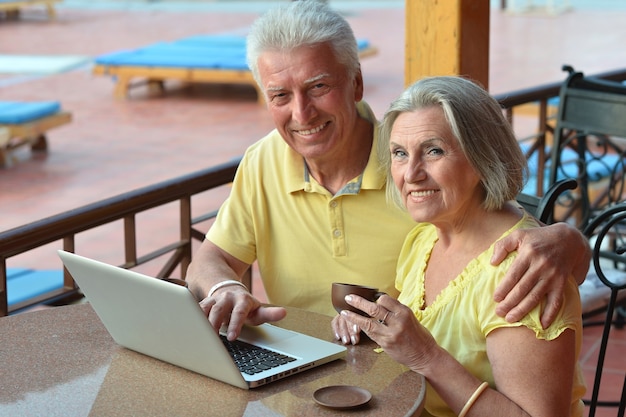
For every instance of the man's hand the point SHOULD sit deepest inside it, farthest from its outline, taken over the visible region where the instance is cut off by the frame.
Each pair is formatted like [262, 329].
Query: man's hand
[230, 305]
[234, 306]
[547, 257]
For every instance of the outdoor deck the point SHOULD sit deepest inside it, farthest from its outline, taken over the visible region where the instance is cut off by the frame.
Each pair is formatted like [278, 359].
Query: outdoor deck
[114, 146]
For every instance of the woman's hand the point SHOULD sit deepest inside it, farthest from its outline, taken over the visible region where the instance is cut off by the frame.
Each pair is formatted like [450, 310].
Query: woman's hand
[345, 332]
[394, 327]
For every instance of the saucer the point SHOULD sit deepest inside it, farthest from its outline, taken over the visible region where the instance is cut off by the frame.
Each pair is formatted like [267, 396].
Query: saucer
[342, 397]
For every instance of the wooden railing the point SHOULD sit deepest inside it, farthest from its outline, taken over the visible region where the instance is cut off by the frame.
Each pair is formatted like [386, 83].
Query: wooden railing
[67, 225]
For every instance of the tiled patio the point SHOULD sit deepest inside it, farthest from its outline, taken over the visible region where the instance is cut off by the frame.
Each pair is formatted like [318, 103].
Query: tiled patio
[113, 146]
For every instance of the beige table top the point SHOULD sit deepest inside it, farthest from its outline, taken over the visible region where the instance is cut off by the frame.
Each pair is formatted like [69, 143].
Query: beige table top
[62, 362]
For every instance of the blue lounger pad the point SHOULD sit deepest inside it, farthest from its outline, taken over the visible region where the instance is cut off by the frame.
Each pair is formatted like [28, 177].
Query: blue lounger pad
[597, 169]
[362, 44]
[153, 58]
[24, 284]
[201, 51]
[16, 112]
[179, 55]
[225, 42]
[181, 48]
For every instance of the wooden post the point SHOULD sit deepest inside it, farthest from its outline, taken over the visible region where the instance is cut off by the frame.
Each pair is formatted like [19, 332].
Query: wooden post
[448, 37]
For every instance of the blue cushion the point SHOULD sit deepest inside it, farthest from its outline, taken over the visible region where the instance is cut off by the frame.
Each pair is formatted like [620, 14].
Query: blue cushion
[178, 56]
[201, 51]
[182, 49]
[155, 58]
[597, 168]
[566, 155]
[362, 44]
[23, 286]
[16, 112]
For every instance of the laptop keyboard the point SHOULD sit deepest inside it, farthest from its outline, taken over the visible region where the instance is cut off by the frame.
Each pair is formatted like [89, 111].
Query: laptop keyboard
[252, 359]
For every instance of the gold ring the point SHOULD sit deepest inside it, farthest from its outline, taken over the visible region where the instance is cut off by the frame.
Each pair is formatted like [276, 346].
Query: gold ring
[383, 321]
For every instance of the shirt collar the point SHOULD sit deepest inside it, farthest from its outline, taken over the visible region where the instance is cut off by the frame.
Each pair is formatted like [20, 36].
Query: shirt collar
[298, 177]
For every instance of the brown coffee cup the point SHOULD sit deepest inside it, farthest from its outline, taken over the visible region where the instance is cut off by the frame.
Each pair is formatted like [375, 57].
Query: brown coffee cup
[340, 290]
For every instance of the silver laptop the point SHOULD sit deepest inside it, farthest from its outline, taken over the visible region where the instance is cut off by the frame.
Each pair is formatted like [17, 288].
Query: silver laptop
[163, 320]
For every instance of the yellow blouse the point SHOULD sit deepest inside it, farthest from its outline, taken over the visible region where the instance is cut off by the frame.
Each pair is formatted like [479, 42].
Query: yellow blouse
[463, 314]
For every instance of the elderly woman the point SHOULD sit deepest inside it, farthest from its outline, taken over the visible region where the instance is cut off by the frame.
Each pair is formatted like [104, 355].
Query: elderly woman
[456, 166]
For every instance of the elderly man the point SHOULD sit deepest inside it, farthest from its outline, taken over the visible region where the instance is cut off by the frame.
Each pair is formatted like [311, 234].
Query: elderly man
[309, 199]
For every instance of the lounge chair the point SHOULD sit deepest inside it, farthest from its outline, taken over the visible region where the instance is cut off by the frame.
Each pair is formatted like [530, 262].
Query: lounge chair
[24, 285]
[12, 8]
[202, 58]
[26, 123]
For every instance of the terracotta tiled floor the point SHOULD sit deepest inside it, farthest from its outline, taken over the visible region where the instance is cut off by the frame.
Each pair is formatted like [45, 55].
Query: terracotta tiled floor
[614, 365]
[113, 146]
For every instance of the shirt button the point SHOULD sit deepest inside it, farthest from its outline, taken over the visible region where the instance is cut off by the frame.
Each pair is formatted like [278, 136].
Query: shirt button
[337, 232]
[333, 204]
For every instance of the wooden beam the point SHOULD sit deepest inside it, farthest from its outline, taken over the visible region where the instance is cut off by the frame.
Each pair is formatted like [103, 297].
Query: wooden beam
[447, 38]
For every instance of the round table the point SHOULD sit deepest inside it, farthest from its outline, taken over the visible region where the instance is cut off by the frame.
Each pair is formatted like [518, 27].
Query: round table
[61, 361]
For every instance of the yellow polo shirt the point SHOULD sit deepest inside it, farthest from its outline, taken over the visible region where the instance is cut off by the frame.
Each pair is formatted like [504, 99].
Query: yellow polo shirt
[464, 313]
[303, 237]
